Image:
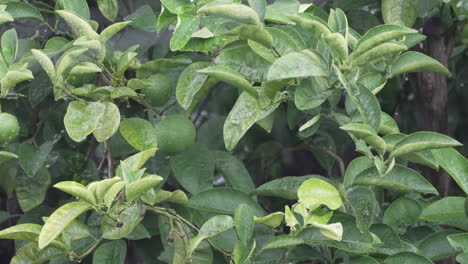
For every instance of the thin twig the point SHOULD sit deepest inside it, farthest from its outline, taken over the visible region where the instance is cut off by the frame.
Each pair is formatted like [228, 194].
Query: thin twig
[110, 162]
[332, 154]
[145, 103]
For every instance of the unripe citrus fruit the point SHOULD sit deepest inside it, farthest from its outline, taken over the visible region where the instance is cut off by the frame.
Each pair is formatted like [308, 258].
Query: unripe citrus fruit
[175, 133]
[9, 128]
[158, 89]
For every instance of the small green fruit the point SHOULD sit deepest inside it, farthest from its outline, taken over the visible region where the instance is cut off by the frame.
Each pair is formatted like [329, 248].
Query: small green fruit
[9, 128]
[158, 90]
[175, 133]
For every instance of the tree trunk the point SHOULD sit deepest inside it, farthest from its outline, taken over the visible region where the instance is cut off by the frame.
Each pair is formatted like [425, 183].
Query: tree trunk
[431, 94]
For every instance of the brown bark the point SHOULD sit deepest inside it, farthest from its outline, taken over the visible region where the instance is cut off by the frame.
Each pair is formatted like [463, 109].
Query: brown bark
[431, 94]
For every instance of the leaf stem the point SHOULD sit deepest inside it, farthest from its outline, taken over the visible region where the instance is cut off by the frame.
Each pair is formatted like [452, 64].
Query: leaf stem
[90, 249]
[170, 214]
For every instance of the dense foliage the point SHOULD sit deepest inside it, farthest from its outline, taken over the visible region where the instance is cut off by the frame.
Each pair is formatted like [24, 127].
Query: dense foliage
[227, 132]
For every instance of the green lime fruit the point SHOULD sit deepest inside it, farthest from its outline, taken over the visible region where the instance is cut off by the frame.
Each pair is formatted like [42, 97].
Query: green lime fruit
[158, 90]
[9, 128]
[175, 133]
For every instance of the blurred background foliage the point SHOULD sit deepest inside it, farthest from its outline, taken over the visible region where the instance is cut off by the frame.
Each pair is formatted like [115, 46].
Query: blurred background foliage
[415, 101]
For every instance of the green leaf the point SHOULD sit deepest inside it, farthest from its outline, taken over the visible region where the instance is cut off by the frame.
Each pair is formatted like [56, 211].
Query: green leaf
[5, 17]
[80, 7]
[223, 201]
[85, 68]
[363, 260]
[194, 168]
[192, 85]
[21, 232]
[112, 193]
[81, 27]
[137, 188]
[68, 60]
[362, 201]
[338, 22]
[400, 12]
[314, 25]
[186, 25]
[236, 12]
[455, 164]
[31, 192]
[13, 77]
[282, 241]
[76, 189]
[143, 18]
[290, 219]
[160, 65]
[46, 64]
[400, 179]
[285, 40]
[135, 162]
[19, 10]
[285, 187]
[447, 208]
[366, 133]
[332, 231]
[214, 226]
[413, 61]
[109, 122]
[32, 159]
[436, 246]
[129, 218]
[109, 8]
[103, 186]
[165, 19]
[368, 106]
[379, 35]
[459, 241]
[113, 29]
[178, 6]
[244, 222]
[390, 238]
[254, 33]
[259, 6]
[311, 94]
[296, 65]
[240, 57]
[9, 46]
[388, 125]
[356, 167]
[407, 257]
[233, 171]
[352, 241]
[59, 220]
[382, 50]
[402, 212]
[272, 220]
[30, 253]
[337, 44]
[274, 15]
[110, 253]
[419, 141]
[82, 119]
[139, 133]
[246, 112]
[231, 77]
[5, 155]
[310, 123]
[315, 192]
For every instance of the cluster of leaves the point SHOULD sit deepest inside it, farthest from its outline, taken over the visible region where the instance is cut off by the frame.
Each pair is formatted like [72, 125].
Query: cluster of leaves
[282, 54]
